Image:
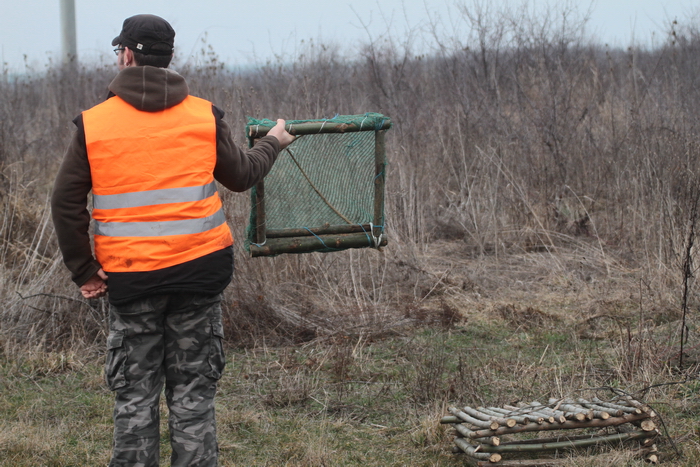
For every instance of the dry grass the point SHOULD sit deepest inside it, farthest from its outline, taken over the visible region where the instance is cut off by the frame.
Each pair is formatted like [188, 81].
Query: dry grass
[522, 142]
[364, 400]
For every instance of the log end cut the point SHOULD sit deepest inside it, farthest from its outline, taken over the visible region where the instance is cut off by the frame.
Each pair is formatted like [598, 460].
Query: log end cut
[648, 425]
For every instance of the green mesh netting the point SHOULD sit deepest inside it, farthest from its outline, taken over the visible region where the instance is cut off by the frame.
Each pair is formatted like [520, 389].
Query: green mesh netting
[325, 192]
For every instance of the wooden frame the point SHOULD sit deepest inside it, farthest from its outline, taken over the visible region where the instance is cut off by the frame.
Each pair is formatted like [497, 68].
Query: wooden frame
[325, 237]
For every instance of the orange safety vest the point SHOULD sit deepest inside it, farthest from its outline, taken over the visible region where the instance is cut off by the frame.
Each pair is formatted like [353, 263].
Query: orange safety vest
[155, 202]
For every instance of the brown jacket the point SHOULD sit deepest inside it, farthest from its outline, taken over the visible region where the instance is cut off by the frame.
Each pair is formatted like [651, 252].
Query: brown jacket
[149, 89]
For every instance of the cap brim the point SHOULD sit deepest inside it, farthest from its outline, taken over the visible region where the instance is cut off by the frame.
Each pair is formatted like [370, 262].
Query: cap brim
[117, 40]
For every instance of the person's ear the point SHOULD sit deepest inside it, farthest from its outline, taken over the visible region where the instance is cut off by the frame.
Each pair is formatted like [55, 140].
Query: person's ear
[128, 57]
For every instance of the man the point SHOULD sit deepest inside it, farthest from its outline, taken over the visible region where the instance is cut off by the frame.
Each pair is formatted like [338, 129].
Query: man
[150, 154]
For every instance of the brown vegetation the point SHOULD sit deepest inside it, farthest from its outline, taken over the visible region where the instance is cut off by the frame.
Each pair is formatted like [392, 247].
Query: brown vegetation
[514, 141]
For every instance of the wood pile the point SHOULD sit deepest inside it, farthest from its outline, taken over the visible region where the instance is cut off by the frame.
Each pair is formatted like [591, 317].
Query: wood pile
[509, 435]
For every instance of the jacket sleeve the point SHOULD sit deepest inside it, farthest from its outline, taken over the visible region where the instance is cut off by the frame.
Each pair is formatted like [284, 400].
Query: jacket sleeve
[236, 169]
[69, 209]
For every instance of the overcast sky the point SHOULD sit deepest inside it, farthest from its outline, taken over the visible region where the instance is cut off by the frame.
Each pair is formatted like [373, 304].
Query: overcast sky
[250, 32]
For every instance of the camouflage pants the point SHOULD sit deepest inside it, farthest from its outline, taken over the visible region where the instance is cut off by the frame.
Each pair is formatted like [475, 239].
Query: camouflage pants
[176, 339]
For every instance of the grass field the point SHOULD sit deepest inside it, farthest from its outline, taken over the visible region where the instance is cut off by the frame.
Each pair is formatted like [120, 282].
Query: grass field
[377, 401]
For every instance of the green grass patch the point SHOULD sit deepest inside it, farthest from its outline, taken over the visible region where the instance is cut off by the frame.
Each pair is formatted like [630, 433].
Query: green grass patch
[369, 402]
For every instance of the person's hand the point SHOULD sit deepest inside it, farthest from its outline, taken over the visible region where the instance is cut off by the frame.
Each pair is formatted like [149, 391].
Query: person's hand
[95, 287]
[281, 134]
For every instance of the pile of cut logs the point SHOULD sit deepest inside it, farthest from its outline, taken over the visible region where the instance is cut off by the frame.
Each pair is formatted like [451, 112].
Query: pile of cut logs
[495, 436]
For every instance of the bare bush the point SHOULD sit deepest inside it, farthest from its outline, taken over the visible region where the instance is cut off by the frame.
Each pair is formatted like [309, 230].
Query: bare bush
[521, 135]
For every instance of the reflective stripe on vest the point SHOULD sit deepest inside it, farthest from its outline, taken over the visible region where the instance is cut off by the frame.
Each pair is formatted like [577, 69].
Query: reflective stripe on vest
[154, 196]
[159, 229]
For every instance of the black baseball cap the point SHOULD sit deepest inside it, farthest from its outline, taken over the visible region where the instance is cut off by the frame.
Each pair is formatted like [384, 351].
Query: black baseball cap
[147, 34]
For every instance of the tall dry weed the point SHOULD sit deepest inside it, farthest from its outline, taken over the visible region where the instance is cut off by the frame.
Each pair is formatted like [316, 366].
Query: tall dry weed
[517, 133]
